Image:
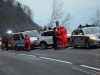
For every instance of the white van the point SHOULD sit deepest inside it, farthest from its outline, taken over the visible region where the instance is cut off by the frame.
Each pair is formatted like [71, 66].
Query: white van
[18, 39]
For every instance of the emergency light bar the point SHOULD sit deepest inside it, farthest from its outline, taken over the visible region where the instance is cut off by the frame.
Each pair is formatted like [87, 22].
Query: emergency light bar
[31, 29]
[22, 31]
[80, 26]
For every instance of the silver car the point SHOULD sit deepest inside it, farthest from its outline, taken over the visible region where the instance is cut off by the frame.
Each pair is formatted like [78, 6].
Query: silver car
[87, 36]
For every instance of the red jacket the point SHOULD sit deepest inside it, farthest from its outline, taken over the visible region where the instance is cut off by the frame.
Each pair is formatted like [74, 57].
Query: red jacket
[27, 39]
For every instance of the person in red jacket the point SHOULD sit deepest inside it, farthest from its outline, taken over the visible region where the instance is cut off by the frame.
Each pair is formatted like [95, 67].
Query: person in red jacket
[27, 42]
[59, 36]
[65, 37]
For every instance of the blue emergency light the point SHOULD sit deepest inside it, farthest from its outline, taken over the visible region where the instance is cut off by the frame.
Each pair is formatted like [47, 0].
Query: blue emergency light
[31, 29]
[22, 31]
[80, 26]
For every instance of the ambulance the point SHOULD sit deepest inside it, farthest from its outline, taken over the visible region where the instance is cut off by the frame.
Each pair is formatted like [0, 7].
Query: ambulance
[18, 39]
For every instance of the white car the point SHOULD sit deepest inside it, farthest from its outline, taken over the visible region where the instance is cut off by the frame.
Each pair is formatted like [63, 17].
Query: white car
[45, 39]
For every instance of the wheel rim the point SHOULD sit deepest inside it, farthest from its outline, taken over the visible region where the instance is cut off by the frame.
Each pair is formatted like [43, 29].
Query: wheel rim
[43, 46]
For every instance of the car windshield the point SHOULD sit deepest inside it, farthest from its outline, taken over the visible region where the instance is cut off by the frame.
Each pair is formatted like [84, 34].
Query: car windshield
[32, 33]
[92, 30]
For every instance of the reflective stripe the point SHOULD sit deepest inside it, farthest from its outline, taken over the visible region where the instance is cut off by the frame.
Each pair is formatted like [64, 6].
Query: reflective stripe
[59, 36]
[27, 41]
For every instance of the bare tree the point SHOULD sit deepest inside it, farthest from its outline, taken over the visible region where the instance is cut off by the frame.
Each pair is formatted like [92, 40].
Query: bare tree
[58, 14]
[10, 2]
[28, 11]
[96, 18]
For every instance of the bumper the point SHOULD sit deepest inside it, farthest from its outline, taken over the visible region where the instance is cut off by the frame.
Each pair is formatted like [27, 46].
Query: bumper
[94, 42]
[34, 45]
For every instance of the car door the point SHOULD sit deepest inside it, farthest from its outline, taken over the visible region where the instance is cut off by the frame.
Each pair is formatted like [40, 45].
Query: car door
[48, 37]
[81, 38]
[75, 37]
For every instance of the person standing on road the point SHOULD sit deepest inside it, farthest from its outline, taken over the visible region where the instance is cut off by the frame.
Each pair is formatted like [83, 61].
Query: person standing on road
[5, 41]
[55, 45]
[27, 42]
[65, 37]
[58, 35]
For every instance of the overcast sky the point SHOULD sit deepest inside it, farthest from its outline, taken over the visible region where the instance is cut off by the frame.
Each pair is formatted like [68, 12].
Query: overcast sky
[81, 10]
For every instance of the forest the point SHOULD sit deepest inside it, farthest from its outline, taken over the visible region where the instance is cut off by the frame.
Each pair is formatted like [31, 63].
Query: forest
[15, 16]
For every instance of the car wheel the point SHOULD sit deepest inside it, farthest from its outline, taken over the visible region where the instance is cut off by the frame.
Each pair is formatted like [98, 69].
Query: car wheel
[87, 45]
[2, 48]
[73, 45]
[43, 45]
[16, 48]
[11, 48]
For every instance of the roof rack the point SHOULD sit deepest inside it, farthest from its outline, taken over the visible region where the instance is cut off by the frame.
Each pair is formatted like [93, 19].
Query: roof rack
[80, 26]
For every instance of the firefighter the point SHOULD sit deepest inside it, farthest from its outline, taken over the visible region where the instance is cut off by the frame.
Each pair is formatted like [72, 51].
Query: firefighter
[59, 37]
[63, 37]
[5, 41]
[27, 42]
[66, 37]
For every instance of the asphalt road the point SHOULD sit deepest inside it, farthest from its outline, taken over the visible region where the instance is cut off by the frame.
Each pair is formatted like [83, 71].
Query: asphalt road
[69, 61]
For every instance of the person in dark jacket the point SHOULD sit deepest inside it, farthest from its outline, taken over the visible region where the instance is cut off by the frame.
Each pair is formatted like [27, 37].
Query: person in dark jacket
[55, 45]
[5, 41]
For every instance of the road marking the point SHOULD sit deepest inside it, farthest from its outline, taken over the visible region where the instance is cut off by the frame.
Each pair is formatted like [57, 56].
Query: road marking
[31, 55]
[85, 71]
[22, 54]
[13, 53]
[56, 60]
[27, 55]
[90, 67]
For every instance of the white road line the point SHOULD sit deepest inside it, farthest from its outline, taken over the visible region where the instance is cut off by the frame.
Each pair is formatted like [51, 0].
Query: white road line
[31, 55]
[90, 67]
[56, 60]
[27, 55]
[13, 53]
[82, 70]
[22, 54]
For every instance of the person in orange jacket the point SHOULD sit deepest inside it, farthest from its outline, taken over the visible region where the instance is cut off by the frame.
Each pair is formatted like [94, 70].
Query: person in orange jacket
[66, 37]
[63, 36]
[27, 42]
[59, 36]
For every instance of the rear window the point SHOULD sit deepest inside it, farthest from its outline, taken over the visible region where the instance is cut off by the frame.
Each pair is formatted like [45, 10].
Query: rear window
[16, 37]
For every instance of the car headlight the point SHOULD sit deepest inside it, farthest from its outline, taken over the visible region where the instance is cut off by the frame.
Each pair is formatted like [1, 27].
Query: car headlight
[91, 37]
